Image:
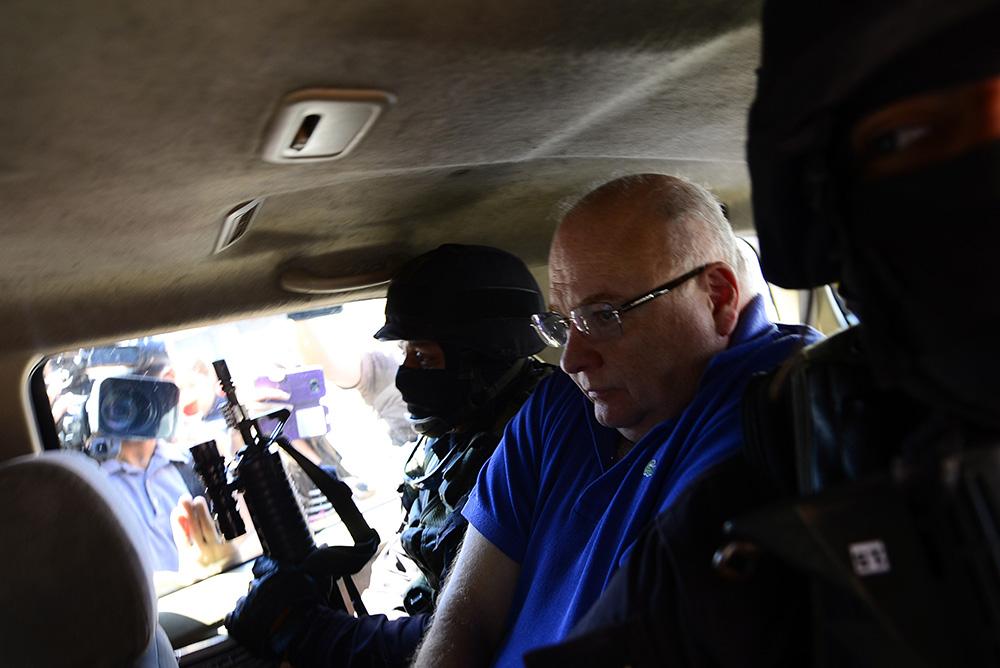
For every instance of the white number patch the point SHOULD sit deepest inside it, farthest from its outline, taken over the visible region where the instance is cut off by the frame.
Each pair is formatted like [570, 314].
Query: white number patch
[869, 558]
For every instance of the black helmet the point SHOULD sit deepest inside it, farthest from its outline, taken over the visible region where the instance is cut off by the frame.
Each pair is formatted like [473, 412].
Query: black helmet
[816, 57]
[827, 64]
[475, 297]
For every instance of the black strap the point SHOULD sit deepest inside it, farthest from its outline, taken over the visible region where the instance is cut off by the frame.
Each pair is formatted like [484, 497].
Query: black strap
[339, 561]
[355, 595]
[191, 479]
[337, 491]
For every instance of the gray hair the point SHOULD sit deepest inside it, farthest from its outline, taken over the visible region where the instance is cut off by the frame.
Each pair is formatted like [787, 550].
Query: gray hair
[677, 200]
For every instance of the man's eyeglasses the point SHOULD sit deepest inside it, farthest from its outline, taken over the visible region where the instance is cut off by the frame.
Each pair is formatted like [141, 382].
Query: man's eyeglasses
[598, 322]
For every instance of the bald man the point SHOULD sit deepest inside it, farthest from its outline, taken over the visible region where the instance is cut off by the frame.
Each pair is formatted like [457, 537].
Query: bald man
[660, 333]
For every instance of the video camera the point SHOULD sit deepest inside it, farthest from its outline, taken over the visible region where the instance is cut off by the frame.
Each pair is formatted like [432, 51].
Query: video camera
[129, 407]
[102, 409]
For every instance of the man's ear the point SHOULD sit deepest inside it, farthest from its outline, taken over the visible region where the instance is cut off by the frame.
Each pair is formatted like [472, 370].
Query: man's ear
[724, 293]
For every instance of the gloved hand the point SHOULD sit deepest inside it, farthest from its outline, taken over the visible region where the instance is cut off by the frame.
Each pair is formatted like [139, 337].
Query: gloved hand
[276, 609]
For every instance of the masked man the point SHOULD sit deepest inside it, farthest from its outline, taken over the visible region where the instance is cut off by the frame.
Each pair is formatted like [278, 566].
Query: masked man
[463, 315]
[874, 145]
[660, 329]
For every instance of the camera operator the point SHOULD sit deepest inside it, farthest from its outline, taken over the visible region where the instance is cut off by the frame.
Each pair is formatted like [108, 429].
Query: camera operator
[119, 406]
[463, 313]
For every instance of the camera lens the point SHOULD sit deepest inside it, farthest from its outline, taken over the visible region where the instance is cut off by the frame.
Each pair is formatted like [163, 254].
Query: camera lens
[126, 411]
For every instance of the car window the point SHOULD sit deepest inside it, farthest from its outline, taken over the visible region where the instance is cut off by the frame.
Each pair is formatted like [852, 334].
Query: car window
[136, 407]
[821, 308]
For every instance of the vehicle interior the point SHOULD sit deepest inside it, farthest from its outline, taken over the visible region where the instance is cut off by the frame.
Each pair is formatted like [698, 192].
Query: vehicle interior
[176, 166]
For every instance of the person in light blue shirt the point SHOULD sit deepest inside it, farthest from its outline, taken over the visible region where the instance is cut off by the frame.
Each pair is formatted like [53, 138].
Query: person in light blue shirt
[151, 475]
[660, 334]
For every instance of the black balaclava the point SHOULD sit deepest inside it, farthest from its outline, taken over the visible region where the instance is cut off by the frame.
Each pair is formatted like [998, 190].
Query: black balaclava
[930, 314]
[919, 247]
[441, 400]
[476, 302]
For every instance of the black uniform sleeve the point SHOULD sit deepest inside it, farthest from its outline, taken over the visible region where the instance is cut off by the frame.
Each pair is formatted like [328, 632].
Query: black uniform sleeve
[335, 638]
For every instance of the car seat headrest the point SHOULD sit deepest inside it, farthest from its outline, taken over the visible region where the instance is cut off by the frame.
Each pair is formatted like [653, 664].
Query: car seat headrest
[75, 587]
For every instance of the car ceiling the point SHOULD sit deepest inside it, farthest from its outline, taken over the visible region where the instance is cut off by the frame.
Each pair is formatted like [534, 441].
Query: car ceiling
[131, 128]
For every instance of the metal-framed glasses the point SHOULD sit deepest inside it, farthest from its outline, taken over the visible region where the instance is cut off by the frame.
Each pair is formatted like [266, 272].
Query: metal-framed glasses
[600, 321]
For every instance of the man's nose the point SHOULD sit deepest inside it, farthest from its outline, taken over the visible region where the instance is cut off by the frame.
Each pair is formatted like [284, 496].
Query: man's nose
[579, 353]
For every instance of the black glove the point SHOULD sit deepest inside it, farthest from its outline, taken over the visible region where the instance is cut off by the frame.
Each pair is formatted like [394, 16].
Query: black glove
[276, 609]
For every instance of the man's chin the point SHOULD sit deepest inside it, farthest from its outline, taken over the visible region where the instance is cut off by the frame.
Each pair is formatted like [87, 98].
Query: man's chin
[608, 416]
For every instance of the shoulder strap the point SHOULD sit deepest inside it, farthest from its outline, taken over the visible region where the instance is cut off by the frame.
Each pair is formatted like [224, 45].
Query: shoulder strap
[191, 479]
[460, 474]
[513, 398]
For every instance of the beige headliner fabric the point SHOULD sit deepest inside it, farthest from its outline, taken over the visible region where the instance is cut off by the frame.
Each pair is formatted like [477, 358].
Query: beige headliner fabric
[130, 128]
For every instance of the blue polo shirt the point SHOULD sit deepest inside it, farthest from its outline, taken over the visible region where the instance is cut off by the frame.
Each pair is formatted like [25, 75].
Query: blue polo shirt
[548, 499]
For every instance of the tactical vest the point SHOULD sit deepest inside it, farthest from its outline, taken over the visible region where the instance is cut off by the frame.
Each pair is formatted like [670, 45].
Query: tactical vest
[891, 511]
[437, 487]
[855, 528]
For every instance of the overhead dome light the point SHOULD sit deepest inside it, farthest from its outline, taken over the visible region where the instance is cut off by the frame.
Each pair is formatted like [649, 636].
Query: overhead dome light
[319, 124]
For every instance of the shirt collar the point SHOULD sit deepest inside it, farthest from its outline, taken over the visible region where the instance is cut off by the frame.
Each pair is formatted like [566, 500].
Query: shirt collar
[112, 466]
[753, 322]
[164, 453]
[752, 326]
